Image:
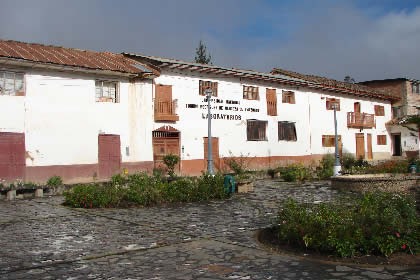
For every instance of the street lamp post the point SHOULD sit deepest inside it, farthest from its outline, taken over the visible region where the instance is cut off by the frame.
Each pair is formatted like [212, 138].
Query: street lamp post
[209, 142]
[337, 165]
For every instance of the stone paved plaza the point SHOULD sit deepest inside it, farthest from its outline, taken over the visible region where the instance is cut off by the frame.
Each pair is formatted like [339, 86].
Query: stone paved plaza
[41, 239]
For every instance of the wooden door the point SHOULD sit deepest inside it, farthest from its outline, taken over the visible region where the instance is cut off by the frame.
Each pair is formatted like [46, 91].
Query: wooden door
[271, 102]
[163, 146]
[215, 152]
[360, 146]
[109, 155]
[369, 146]
[12, 156]
[357, 107]
[164, 92]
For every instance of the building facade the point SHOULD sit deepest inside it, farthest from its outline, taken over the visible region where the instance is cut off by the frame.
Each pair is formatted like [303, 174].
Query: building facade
[85, 115]
[404, 136]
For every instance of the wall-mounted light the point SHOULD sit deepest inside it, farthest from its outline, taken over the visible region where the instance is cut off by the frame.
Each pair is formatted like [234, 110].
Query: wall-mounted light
[182, 148]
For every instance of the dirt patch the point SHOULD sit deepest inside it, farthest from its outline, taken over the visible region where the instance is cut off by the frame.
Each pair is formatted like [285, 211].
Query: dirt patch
[267, 240]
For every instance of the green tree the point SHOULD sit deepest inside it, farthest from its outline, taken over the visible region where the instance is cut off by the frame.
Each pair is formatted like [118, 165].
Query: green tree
[201, 55]
[349, 79]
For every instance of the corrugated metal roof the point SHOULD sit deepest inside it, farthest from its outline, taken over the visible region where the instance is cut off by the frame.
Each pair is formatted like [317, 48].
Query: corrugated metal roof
[39, 53]
[334, 83]
[284, 78]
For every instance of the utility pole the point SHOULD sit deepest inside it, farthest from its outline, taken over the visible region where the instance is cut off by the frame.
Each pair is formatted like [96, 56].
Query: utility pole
[209, 142]
[337, 165]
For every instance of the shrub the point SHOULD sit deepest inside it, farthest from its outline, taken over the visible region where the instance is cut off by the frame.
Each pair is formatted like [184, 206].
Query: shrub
[170, 161]
[93, 196]
[326, 167]
[391, 166]
[377, 223]
[294, 172]
[54, 181]
[238, 165]
[143, 190]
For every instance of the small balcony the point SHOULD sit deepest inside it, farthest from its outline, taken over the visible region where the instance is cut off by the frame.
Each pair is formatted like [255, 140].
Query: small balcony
[360, 120]
[165, 110]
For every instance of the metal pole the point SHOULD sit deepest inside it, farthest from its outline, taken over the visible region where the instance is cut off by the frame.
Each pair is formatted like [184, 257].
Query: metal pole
[209, 147]
[337, 166]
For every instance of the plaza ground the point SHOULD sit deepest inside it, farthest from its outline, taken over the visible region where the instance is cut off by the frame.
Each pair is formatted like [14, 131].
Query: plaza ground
[41, 239]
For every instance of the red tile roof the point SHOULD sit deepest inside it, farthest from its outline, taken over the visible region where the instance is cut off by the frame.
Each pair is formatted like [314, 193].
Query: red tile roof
[69, 57]
[337, 84]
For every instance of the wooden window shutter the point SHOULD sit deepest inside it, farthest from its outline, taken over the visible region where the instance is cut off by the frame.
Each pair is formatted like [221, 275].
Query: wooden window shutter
[271, 102]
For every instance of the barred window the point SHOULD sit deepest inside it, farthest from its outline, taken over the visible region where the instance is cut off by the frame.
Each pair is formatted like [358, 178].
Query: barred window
[207, 84]
[107, 91]
[11, 84]
[251, 93]
[287, 131]
[255, 130]
[331, 102]
[379, 110]
[381, 139]
[329, 140]
[288, 97]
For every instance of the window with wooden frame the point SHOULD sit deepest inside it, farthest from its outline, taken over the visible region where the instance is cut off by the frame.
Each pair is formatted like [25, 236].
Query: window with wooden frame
[207, 84]
[11, 83]
[251, 93]
[287, 131]
[288, 97]
[329, 140]
[379, 110]
[381, 139]
[271, 102]
[107, 91]
[331, 102]
[255, 130]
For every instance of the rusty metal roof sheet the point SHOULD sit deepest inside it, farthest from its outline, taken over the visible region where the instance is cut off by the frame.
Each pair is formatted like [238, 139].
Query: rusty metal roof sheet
[277, 77]
[336, 84]
[39, 53]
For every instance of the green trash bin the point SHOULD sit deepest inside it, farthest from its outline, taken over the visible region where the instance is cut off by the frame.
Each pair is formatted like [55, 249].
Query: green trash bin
[229, 184]
[413, 168]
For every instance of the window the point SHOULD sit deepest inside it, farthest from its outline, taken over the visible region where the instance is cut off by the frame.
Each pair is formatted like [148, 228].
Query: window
[11, 84]
[271, 102]
[288, 97]
[381, 139]
[287, 131]
[107, 91]
[331, 102]
[395, 112]
[329, 140]
[379, 110]
[207, 84]
[415, 88]
[251, 93]
[255, 130]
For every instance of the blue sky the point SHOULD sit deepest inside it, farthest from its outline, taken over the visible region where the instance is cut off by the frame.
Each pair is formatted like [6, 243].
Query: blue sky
[366, 39]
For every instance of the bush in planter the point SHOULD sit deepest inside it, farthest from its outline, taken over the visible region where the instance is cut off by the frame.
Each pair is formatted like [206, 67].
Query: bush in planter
[377, 223]
[295, 172]
[93, 196]
[326, 167]
[54, 181]
[171, 161]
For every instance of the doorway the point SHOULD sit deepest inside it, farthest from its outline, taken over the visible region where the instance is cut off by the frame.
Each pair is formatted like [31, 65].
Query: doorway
[360, 146]
[396, 144]
[12, 156]
[109, 155]
[165, 141]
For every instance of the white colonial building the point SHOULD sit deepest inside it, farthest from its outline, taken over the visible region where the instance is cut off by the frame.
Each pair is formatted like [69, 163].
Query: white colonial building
[84, 115]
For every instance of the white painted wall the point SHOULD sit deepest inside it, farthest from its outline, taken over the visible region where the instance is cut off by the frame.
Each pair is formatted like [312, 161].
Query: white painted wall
[62, 120]
[308, 112]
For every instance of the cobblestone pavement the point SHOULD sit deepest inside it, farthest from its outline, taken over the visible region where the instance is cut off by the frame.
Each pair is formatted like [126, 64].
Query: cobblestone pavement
[41, 239]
